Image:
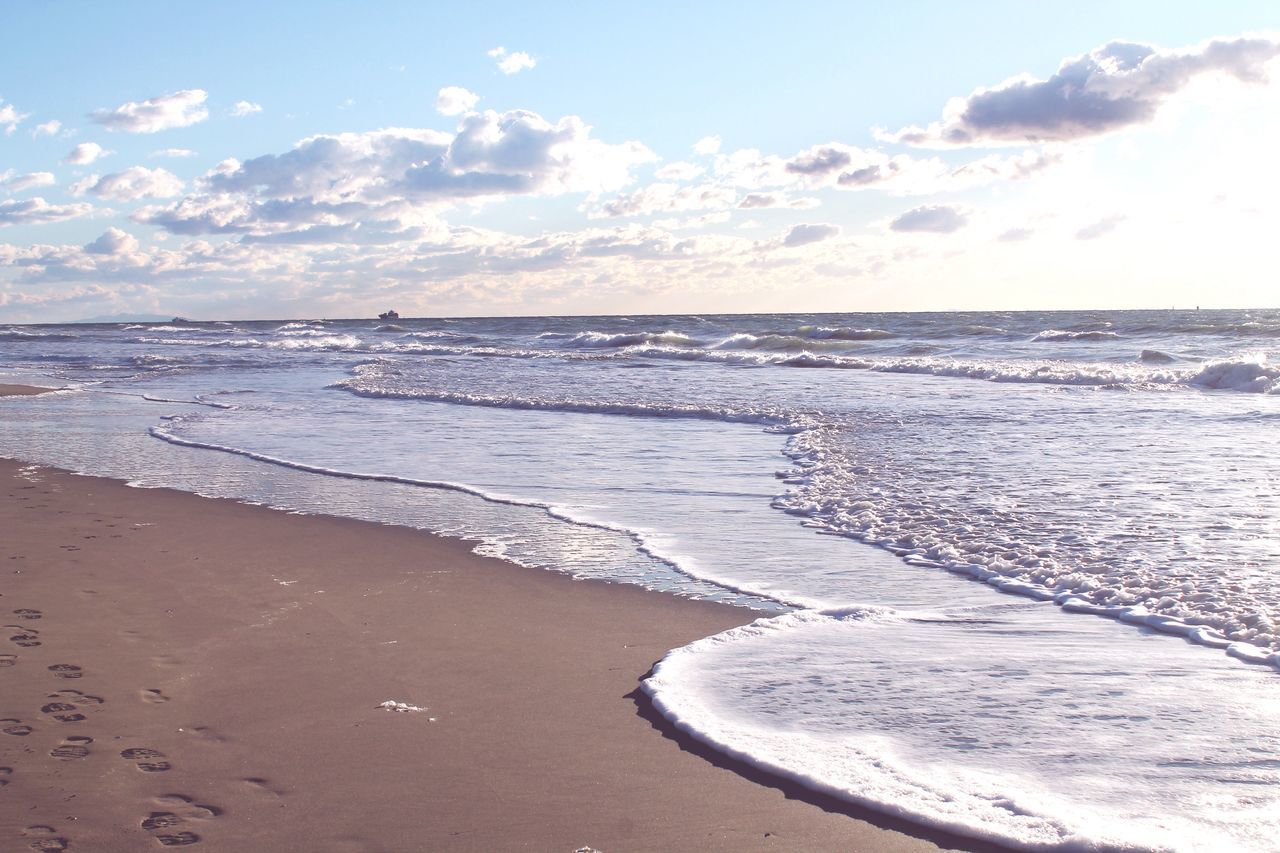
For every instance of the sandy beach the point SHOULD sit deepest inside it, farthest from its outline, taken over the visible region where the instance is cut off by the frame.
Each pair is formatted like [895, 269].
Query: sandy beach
[182, 671]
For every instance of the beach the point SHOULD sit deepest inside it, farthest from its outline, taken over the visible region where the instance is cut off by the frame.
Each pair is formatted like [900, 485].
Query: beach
[181, 670]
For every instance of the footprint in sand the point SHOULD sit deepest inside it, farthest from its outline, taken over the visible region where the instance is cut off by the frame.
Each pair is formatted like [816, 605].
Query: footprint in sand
[15, 727]
[8, 660]
[5, 774]
[27, 638]
[72, 748]
[153, 696]
[75, 697]
[174, 813]
[27, 613]
[44, 838]
[63, 712]
[148, 760]
[66, 670]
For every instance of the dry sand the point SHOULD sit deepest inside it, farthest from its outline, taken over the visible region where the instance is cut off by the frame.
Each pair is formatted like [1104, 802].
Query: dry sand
[183, 671]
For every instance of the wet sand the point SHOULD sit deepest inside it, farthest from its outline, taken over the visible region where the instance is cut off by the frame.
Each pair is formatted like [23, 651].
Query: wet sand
[180, 671]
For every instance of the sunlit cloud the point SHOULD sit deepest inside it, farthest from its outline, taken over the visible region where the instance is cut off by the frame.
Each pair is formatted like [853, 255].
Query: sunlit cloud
[19, 183]
[132, 184]
[245, 108]
[455, 100]
[37, 211]
[1118, 85]
[803, 235]
[931, 218]
[1101, 228]
[399, 178]
[86, 153]
[511, 62]
[10, 118]
[178, 109]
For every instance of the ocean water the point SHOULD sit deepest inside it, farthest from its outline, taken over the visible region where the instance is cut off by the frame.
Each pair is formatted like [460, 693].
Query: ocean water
[1018, 573]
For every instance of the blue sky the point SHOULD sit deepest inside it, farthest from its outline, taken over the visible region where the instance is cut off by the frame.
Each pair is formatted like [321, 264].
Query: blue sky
[296, 159]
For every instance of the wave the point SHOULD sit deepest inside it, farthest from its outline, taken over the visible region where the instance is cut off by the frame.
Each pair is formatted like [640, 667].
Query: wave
[19, 335]
[841, 333]
[1251, 375]
[775, 421]
[307, 342]
[627, 339]
[1059, 335]
[1152, 356]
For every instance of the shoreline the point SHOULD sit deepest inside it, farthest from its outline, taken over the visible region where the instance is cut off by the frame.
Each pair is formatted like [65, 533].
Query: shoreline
[241, 643]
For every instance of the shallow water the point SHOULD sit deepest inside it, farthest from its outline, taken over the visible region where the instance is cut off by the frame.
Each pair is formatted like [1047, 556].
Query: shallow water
[1093, 465]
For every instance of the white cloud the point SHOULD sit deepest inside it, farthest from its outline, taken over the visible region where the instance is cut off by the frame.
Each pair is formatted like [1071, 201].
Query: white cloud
[707, 145]
[10, 118]
[932, 218]
[511, 63]
[85, 153]
[1118, 85]
[245, 108]
[679, 171]
[177, 109]
[803, 235]
[361, 186]
[173, 152]
[113, 242]
[130, 185]
[1101, 228]
[667, 198]
[25, 182]
[455, 100]
[36, 211]
[48, 128]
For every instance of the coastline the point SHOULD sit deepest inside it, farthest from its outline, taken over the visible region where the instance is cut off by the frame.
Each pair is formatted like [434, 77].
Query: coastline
[252, 648]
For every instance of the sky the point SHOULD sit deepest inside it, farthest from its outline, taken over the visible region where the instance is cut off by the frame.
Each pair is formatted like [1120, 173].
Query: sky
[280, 160]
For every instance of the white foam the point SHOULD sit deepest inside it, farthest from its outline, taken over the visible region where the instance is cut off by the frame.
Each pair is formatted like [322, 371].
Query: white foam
[936, 719]
[400, 707]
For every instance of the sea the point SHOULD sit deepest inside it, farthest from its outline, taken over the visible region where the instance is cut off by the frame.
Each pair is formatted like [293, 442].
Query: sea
[1017, 575]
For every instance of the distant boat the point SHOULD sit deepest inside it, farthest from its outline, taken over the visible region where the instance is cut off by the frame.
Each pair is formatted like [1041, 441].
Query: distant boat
[179, 320]
[388, 315]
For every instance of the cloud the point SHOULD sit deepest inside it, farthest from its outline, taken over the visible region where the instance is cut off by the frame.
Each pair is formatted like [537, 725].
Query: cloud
[707, 145]
[820, 161]
[511, 63]
[113, 242]
[130, 185]
[679, 171]
[25, 182]
[667, 198]
[36, 211]
[85, 153]
[803, 235]
[1102, 227]
[10, 118]
[1118, 85]
[243, 108]
[177, 109]
[173, 152]
[400, 177]
[48, 128]
[1015, 235]
[933, 218]
[455, 100]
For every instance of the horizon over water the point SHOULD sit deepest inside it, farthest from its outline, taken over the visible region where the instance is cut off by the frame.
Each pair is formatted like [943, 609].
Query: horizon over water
[1018, 572]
